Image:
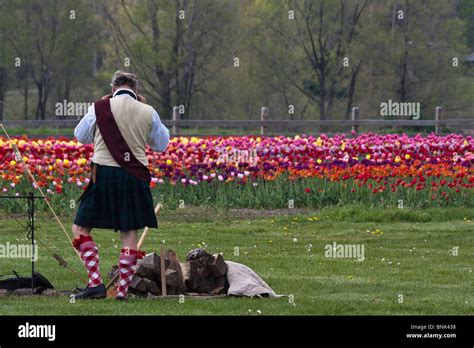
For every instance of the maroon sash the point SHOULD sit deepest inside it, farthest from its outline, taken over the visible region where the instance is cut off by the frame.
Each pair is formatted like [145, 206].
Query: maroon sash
[116, 143]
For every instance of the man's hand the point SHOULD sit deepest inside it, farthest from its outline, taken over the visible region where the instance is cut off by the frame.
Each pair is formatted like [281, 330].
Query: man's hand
[107, 96]
[141, 98]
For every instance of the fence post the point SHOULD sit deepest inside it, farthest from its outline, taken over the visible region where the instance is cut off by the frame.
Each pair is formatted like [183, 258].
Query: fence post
[438, 118]
[263, 117]
[355, 118]
[175, 119]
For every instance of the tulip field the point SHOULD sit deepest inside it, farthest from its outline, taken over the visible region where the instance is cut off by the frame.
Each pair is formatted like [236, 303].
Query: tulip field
[269, 172]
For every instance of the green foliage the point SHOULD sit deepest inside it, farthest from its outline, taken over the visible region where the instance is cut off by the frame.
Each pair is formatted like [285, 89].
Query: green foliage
[466, 9]
[51, 52]
[304, 59]
[276, 194]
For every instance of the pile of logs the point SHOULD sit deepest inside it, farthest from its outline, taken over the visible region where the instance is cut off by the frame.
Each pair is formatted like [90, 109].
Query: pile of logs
[202, 273]
[205, 273]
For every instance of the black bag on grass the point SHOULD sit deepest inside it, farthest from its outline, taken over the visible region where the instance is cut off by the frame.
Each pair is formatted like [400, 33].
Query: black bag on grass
[40, 283]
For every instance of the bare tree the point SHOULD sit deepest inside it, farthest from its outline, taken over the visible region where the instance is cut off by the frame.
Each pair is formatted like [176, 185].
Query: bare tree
[320, 38]
[174, 58]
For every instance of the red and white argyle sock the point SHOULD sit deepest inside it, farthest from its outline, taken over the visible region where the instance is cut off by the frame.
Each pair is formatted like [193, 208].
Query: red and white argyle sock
[127, 266]
[90, 256]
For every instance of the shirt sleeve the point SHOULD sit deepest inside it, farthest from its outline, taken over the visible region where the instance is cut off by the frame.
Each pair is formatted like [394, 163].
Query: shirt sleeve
[159, 134]
[84, 131]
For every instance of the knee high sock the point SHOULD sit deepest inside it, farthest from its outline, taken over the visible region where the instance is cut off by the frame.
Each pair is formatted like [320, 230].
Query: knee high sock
[90, 256]
[127, 266]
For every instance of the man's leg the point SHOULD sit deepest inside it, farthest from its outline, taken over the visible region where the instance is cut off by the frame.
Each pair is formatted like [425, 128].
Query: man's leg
[89, 252]
[127, 262]
[129, 239]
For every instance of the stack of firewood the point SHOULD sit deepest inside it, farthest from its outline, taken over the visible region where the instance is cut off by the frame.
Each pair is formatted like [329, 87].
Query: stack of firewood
[202, 273]
[205, 273]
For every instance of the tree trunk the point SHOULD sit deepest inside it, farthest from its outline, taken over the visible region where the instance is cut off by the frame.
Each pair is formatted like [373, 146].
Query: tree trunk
[25, 98]
[39, 87]
[352, 85]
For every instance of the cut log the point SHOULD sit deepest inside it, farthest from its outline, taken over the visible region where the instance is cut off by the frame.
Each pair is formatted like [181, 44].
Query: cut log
[217, 290]
[199, 280]
[220, 282]
[185, 269]
[174, 274]
[221, 285]
[151, 287]
[200, 254]
[138, 283]
[205, 273]
[149, 267]
[218, 266]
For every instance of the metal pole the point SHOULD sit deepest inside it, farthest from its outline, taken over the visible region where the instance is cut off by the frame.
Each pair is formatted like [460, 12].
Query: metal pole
[31, 200]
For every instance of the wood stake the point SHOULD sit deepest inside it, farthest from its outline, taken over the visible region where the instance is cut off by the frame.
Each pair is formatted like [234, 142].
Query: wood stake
[162, 271]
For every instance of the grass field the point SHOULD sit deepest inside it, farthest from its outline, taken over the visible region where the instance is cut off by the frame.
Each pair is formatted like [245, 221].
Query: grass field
[407, 253]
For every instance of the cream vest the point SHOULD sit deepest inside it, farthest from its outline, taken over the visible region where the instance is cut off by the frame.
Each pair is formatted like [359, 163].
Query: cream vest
[134, 119]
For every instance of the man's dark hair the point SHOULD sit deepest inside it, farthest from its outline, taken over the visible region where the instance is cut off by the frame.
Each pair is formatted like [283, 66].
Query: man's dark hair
[121, 78]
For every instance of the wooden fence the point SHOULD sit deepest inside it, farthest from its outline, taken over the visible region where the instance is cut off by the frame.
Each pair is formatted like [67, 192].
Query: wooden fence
[264, 125]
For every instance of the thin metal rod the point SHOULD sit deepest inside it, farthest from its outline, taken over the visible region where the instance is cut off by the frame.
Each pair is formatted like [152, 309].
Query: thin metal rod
[37, 186]
[27, 197]
[32, 217]
[56, 256]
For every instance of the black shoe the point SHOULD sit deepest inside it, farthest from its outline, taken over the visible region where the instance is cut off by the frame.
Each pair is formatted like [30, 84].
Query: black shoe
[92, 293]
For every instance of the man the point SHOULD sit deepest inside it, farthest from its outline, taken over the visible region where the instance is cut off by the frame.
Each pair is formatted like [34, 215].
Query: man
[118, 196]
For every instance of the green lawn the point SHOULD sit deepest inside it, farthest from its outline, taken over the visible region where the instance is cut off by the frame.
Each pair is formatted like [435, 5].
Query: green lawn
[406, 253]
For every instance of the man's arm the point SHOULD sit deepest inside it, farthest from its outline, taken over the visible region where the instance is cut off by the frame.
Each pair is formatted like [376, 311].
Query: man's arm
[159, 134]
[84, 131]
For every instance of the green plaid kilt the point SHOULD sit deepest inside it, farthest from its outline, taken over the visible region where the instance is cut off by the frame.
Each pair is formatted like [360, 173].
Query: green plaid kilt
[117, 200]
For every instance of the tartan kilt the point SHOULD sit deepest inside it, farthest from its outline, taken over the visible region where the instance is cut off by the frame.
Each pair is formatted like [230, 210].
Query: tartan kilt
[117, 200]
